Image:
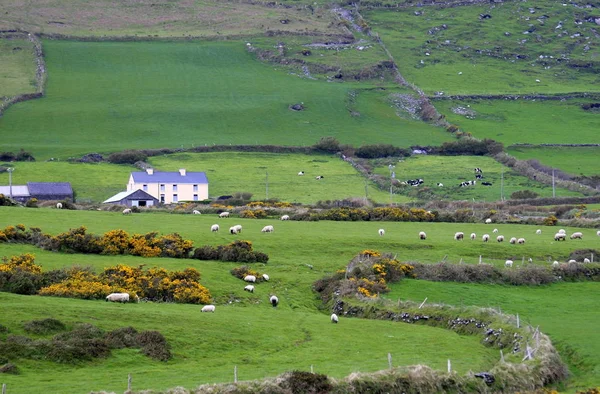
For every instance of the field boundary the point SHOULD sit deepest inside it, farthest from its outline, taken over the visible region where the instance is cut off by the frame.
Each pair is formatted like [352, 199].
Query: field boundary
[557, 96]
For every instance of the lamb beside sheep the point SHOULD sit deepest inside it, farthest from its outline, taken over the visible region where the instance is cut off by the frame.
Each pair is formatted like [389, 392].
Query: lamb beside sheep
[459, 236]
[577, 235]
[208, 308]
[214, 228]
[267, 229]
[237, 229]
[224, 214]
[422, 235]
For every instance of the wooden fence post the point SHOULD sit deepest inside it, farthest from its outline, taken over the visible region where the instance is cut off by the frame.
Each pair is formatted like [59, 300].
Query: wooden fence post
[129, 382]
[449, 366]
[3, 388]
[235, 374]
[423, 303]
[390, 360]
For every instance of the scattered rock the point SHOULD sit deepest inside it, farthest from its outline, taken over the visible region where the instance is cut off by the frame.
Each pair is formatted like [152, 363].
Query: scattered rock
[92, 158]
[487, 377]
[284, 21]
[297, 107]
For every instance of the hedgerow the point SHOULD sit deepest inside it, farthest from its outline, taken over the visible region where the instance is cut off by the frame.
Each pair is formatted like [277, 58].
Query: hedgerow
[237, 251]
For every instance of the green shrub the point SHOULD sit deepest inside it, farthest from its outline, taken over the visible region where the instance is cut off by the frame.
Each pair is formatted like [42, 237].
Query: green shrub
[154, 345]
[327, 145]
[9, 368]
[299, 382]
[524, 194]
[380, 150]
[44, 326]
[125, 337]
[127, 157]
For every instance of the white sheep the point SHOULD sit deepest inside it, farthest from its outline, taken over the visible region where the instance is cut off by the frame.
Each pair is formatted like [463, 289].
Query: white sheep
[334, 318]
[485, 238]
[473, 236]
[208, 308]
[572, 261]
[538, 231]
[521, 241]
[214, 228]
[381, 232]
[250, 278]
[598, 233]
[249, 288]
[267, 229]
[238, 228]
[508, 263]
[285, 217]
[500, 238]
[488, 221]
[118, 297]
[265, 277]
[196, 212]
[556, 264]
[274, 300]
[58, 205]
[562, 231]
[513, 240]
[224, 214]
[422, 235]
[232, 230]
[301, 173]
[560, 237]
[586, 260]
[459, 236]
[495, 230]
[577, 235]
[127, 211]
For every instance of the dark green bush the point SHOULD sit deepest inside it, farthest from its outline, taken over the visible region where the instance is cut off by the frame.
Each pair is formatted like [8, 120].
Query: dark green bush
[581, 254]
[125, 337]
[299, 382]
[380, 150]
[44, 326]
[32, 203]
[523, 194]
[470, 146]
[9, 368]
[154, 345]
[127, 157]
[327, 145]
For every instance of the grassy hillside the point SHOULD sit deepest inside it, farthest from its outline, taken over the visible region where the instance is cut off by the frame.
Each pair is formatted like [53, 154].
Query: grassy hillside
[576, 161]
[533, 122]
[432, 48]
[110, 96]
[546, 306]
[17, 67]
[452, 170]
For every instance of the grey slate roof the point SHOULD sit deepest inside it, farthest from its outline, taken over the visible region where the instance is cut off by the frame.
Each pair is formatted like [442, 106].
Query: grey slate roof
[142, 195]
[49, 188]
[170, 177]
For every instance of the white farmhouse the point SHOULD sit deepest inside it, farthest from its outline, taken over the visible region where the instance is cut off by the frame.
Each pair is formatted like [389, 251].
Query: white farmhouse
[170, 187]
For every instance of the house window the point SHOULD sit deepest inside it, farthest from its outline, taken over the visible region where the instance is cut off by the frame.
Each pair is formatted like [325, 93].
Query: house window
[195, 197]
[195, 188]
[145, 188]
[162, 188]
[162, 198]
[174, 188]
[175, 198]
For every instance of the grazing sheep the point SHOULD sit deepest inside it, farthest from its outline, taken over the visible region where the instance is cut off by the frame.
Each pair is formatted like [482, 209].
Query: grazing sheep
[485, 238]
[473, 236]
[556, 264]
[267, 229]
[208, 308]
[538, 231]
[334, 318]
[440, 184]
[572, 261]
[488, 221]
[224, 214]
[58, 205]
[495, 230]
[238, 227]
[577, 235]
[521, 241]
[459, 236]
[513, 240]
[285, 217]
[265, 277]
[214, 228]
[422, 235]
[249, 288]
[118, 297]
[560, 237]
[508, 263]
[232, 230]
[598, 233]
[381, 232]
[250, 278]
[319, 177]
[301, 173]
[562, 231]
[586, 260]
[126, 211]
[500, 238]
[196, 212]
[274, 301]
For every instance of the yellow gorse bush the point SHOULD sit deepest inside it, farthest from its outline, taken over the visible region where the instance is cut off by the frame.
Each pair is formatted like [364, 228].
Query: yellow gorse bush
[24, 262]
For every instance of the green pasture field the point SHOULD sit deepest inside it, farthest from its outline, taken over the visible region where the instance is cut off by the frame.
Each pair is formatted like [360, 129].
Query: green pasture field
[486, 57]
[567, 312]
[573, 160]
[452, 170]
[232, 172]
[300, 253]
[202, 18]
[104, 97]
[532, 122]
[17, 67]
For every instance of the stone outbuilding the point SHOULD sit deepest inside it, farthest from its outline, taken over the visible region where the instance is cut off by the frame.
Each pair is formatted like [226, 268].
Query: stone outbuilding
[133, 198]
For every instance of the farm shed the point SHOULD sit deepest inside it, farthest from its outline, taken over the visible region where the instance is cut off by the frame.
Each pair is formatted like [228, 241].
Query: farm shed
[134, 198]
[171, 187]
[50, 190]
[18, 192]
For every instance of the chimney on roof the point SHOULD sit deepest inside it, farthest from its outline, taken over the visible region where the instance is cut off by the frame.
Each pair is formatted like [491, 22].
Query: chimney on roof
[182, 171]
[150, 171]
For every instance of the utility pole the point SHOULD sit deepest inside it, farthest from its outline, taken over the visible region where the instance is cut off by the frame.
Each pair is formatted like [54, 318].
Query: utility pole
[10, 171]
[502, 185]
[267, 183]
[553, 188]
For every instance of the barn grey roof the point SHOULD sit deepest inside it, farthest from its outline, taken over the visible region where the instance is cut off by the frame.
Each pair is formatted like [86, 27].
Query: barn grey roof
[17, 191]
[142, 195]
[49, 188]
[169, 177]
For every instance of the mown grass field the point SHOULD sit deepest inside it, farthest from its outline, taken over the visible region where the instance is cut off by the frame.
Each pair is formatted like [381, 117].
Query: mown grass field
[576, 160]
[533, 122]
[112, 96]
[474, 46]
[165, 19]
[17, 67]
[298, 332]
[564, 311]
[452, 170]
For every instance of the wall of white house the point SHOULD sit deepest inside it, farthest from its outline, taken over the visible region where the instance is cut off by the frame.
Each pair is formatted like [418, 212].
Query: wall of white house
[169, 193]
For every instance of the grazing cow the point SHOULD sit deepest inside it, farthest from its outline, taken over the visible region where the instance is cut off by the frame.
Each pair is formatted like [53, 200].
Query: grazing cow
[440, 184]
[486, 183]
[478, 176]
[415, 182]
[478, 170]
